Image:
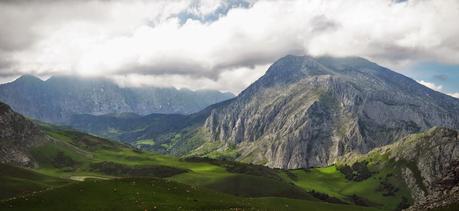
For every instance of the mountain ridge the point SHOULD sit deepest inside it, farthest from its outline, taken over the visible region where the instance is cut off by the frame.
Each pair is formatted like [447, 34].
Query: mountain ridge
[56, 99]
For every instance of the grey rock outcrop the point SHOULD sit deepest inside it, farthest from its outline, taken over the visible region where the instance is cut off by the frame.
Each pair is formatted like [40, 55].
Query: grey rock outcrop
[434, 157]
[428, 163]
[309, 111]
[17, 136]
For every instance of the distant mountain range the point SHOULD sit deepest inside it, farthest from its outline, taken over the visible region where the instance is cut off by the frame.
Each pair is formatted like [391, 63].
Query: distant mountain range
[303, 112]
[58, 98]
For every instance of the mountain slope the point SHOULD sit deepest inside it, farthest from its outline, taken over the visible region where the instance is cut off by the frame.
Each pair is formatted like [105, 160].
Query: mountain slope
[427, 162]
[58, 98]
[17, 136]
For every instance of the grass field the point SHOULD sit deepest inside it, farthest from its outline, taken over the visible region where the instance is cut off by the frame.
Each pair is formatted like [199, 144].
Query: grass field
[149, 142]
[83, 168]
[16, 181]
[154, 194]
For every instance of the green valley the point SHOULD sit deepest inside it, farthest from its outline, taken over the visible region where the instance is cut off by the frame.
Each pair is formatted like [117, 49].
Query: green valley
[72, 163]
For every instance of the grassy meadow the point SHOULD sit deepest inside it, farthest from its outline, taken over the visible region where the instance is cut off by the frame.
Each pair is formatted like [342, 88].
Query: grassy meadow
[83, 172]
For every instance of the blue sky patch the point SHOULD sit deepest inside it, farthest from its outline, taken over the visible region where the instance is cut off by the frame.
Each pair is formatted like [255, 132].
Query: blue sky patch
[444, 75]
[220, 11]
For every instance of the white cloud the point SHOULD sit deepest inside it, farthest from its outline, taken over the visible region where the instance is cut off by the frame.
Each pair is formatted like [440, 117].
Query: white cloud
[456, 95]
[146, 42]
[438, 88]
[430, 85]
[225, 81]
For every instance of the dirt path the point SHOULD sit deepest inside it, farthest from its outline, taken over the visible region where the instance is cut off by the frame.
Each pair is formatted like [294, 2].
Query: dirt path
[83, 178]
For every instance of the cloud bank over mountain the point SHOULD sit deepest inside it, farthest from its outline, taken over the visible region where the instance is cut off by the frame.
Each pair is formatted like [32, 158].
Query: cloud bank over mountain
[222, 45]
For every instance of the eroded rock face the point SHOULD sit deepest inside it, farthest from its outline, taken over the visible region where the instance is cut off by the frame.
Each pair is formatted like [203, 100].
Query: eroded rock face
[428, 162]
[309, 111]
[432, 170]
[17, 135]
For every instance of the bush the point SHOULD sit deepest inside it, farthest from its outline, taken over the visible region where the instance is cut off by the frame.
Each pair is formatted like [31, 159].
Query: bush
[63, 161]
[387, 188]
[357, 172]
[326, 197]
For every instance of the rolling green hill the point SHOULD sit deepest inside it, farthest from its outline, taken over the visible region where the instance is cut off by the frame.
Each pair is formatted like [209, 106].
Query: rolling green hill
[16, 181]
[154, 194]
[72, 163]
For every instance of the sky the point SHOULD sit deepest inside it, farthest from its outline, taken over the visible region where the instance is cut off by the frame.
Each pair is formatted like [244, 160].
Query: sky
[224, 45]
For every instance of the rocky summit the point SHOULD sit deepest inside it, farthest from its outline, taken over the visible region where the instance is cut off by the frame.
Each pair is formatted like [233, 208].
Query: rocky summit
[309, 111]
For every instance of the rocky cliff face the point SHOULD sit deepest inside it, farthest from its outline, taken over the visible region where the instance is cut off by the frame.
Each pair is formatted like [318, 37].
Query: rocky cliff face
[58, 98]
[309, 111]
[433, 170]
[17, 135]
[428, 162]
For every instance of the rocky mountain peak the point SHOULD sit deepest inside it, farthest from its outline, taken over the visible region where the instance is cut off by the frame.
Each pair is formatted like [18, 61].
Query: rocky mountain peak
[291, 67]
[346, 62]
[308, 111]
[310, 66]
[28, 79]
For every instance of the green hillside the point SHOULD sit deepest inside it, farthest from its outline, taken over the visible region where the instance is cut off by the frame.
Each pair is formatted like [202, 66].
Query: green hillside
[17, 181]
[82, 168]
[154, 194]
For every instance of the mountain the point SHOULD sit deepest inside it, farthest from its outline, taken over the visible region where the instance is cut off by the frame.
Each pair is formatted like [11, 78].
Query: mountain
[306, 112]
[58, 98]
[17, 136]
